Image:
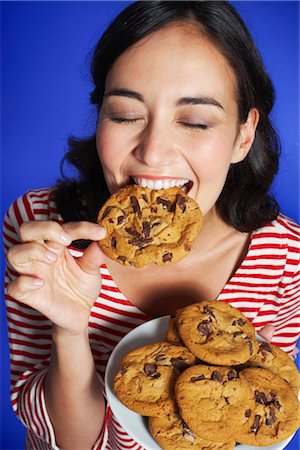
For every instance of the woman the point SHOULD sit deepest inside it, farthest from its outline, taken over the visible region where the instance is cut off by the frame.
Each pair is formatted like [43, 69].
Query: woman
[183, 97]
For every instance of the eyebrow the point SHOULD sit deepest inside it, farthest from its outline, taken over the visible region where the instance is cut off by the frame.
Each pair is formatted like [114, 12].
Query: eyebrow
[200, 100]
[125, 93]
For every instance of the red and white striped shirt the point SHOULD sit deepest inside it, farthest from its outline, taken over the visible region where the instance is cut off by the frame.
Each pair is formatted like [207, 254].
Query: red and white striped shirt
[266, 288]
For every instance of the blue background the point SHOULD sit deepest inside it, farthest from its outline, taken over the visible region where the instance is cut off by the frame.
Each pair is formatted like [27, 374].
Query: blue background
[45, 88]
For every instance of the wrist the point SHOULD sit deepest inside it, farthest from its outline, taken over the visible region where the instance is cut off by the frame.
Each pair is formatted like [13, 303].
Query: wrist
[59, 333]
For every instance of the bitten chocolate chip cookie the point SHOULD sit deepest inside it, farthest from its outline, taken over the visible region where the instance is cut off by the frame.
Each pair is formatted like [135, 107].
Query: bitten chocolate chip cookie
[217, 333]
[145, 383]
[149, 226]
[172, 433]
[273, 358]
[213, 401]
[276, 414]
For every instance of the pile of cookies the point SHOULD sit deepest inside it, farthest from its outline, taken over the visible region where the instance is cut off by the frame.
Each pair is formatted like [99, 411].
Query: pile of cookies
[211, 384]
[149, 226]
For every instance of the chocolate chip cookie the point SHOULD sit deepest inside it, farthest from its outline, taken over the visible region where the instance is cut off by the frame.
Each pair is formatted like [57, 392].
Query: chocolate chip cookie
[172, 433]
[278, 361]
[149, 226]
[213, 401]
[145, 382]
[172, 334]
[217, 333]
[276, 414]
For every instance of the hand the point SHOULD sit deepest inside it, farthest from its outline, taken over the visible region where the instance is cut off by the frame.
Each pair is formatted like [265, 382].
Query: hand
[53, 282]
[267, 332]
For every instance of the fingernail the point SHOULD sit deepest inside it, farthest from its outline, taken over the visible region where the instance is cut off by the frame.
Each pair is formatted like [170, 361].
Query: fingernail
[51, 256]
[100, 232]
[65, 238]
[38, 282]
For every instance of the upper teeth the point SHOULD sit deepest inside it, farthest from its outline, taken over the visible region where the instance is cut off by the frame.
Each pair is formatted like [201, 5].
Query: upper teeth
[160, 184]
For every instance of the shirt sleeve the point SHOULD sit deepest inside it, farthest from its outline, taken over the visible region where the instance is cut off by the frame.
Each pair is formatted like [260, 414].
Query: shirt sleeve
[29, 335]
[287, 322]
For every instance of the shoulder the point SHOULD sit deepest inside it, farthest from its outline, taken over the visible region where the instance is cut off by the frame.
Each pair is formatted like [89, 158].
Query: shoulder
[281, 236]
[35, 204]
[288, 227]
[281, 228]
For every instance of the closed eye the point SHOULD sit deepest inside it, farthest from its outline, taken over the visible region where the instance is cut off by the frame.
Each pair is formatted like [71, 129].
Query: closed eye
[195, 126]
[123, 120]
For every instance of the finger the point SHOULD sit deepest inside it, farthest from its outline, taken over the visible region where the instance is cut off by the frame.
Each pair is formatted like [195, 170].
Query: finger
[44, 231]
[84, 230]
[22, 288]
[92, 259]
[267, 332]
[23, 255]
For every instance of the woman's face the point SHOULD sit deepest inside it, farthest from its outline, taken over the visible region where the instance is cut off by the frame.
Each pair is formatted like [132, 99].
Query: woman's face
[169, 116]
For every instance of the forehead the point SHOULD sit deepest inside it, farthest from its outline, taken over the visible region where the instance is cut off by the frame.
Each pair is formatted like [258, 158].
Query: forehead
[179, 54]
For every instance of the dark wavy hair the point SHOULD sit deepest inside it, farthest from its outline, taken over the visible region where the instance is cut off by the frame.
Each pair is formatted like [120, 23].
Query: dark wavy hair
[245, 202]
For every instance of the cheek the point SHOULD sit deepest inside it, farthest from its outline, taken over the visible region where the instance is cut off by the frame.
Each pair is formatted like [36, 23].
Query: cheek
[211, 168]
[212, 162]
[108, 147]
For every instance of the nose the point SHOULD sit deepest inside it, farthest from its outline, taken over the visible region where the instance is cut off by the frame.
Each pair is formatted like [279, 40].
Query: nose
[156, 146]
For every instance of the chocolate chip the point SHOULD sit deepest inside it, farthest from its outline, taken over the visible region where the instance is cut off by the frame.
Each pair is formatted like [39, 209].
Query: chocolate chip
[144, 197]
[248, 413]
[121, 258]
[264, 356]
[165, 203]
[250, 343]
[140, 241]
[198, 378]
[135, 206]
[167, 257]
[205, 328]
[217, 376]
[132, 231]
[264, 346]
[276, 404]
[272, 400]
[113, 242]
[106, 212]
[179, 363]
[208, 310]
[160, 357]
[271, 419]
[256, 424]
[239, 322]
[146, 229]
[237, 333]
[150, 370]
[261, 398]
[123, 370]
[120, 220]
[181, 201]
[232, 374]
[271, 397]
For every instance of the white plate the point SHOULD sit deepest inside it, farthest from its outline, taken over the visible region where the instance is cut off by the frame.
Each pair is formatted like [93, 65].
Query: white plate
[135, 424]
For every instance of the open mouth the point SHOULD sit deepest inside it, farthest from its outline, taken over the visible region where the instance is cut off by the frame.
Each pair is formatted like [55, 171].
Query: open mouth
[164, 183]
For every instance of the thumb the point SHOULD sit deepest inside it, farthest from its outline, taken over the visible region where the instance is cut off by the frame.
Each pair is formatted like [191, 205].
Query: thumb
[267, 332]
[92, 259]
